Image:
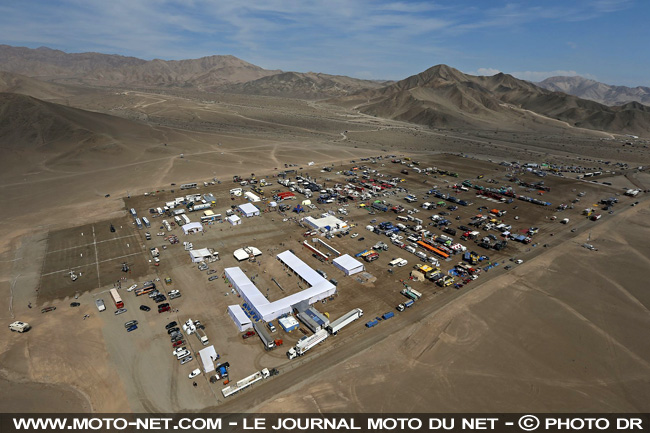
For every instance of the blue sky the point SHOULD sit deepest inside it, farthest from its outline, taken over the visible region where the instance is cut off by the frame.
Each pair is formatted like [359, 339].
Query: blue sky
[602, 39]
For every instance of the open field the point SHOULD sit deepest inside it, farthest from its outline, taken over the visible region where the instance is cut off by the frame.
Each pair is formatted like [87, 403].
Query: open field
[562, 331]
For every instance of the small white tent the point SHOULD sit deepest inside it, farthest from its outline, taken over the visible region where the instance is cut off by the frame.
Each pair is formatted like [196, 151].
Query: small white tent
[348, 264]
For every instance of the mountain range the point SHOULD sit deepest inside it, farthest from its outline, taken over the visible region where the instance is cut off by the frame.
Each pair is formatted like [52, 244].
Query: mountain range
[595, 91]
[444, 97]
[440, 97]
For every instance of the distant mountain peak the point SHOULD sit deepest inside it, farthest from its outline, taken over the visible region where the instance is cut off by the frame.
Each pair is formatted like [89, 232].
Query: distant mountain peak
[596, 91]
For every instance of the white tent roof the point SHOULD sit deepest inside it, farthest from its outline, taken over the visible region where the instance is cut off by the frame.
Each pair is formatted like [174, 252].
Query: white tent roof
[348, 262]
[248, 209]
[321, 288]
[208, 356]
[203, 252]
[244, 253]
[192, 226]
[233, 218]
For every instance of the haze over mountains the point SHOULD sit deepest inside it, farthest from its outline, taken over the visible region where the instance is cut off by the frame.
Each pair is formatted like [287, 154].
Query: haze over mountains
[440, 97]
[595, 91]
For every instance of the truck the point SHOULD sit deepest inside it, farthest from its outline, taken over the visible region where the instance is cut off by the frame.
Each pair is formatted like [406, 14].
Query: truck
[306, 343]
[200, 334]
[245, 382]
[146, 222]
[387, 315]
[100, 304]
[398, 262]
[335, 326]
[19, 326]
[407, 304]
[138, 223]
[268, 342]
[565, 221]
[411, 294]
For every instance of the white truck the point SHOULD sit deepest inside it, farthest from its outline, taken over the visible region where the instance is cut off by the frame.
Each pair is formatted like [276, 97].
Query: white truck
[335, 326]
[306, 343]
[19, 326]
[398, 262]
[100, 305]
[245, 382]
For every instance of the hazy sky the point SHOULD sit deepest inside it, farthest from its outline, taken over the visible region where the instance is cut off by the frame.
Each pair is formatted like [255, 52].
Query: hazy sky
[602, 39]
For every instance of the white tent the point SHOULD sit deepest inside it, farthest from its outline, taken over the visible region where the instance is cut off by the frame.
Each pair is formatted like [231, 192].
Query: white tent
[208, 357]
[246, 252]
[234, 220]
[203, 255]
[239, 317]
[260, 306]
[348, 264]
[192, 228]
[249, 210]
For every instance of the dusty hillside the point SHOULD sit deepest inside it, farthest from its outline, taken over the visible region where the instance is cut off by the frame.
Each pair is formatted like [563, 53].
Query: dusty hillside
[445, 97]
[596, 91]
[304, 85]
[21, 84]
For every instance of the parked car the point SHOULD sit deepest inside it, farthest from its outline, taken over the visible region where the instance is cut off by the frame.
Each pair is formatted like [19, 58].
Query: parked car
[132, 328]
[194, 373]
[174, 294]
[172, 330]
[74, 304]
[48, 309]
[130, 323]
[212, 278]
[178, 343]
[132, 288]
[163, 307]
[145, 308]
[248, 334]
[120, 311]
[160, 298]
[171, 325]
[186, 360]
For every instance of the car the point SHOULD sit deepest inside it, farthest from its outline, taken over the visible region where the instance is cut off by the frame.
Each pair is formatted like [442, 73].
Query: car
[131, 328]
[130, 323]
[172, 330]
[160, 298]
[120, 311]
[178, 343]
[507, 267]
[145, 308]
[176, 337]
[519, 261]
[194, 373]
[74, 304]
[163, 309]
[248, 334]
[212, 278]
[182, 353]
[186, 360]
[354, 235]
[174, 294]
[107, 195]
[132, 288]
[171, 325]
[211, 271]
[362, 239]
[48, 309]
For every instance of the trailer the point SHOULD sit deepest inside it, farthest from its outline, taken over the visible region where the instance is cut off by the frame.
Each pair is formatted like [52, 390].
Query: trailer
[335, 326]
[201, 206]
[267, 340]
[138, 223]
[306, 343]
[409, 293]
[200, 334]
[245, 382]
[189, 186]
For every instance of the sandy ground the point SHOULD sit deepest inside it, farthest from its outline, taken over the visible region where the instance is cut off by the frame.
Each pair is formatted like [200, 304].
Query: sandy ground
[563, 331]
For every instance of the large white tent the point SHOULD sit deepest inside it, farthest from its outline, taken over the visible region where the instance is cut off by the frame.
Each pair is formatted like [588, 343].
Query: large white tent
[234, 220]
[192, 228]
[203, 255]
[249, 210]
[326, 223]
[208, 357]
[246, 252]
[348, 264]
[261, 308]
[240, 318]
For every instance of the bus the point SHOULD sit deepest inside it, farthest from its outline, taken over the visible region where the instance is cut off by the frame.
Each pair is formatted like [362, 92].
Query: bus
[189, 186]
[116, 298]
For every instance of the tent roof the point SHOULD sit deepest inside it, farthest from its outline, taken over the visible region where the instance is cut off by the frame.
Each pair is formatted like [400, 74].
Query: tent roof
[208, 356]
[248, 208]
[239, 314]
[203, 252]
[191, 226]
[348, 262]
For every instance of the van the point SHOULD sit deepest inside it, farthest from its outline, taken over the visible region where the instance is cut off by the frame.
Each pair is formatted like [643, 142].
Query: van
[410, 249]
[271, 326]
[100, 304]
